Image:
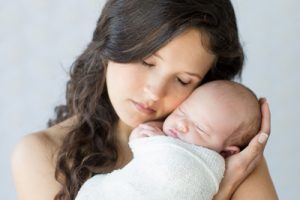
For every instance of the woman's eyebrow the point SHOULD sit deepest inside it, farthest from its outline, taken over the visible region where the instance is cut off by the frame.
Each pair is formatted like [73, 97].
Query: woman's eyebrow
[194, 74]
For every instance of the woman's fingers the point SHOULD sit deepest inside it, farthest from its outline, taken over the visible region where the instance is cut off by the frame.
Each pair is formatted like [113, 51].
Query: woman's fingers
[253, 164]
[266, 116]
[254, 151]
[255, 147]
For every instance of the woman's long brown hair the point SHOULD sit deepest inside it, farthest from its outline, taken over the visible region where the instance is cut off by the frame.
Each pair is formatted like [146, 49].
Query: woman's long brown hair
[128, 31]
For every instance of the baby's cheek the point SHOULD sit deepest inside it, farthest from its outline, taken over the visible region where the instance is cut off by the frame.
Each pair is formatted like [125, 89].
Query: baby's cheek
[169, 122]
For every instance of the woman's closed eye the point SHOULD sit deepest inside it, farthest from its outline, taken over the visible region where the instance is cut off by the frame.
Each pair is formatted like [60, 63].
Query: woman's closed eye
[147, 64]
[183, 82]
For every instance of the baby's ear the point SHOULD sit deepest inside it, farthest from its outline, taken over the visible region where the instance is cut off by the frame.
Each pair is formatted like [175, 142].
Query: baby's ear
[229, 151]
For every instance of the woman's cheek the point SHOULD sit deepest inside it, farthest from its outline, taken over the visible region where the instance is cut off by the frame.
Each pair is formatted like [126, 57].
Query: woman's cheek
[181, 94]
[175, 100]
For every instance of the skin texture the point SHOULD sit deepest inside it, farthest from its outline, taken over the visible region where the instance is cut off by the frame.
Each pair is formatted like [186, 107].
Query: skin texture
[33, 159]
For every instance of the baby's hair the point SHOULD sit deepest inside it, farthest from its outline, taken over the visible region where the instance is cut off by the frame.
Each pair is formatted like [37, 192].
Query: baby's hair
[242, 140]
[233, 95]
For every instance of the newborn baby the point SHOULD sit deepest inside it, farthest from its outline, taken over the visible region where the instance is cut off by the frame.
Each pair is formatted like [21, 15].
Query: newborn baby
[217, 120]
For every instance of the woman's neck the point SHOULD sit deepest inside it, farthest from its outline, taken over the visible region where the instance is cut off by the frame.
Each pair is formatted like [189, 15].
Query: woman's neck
[125, 155]
[123, 131]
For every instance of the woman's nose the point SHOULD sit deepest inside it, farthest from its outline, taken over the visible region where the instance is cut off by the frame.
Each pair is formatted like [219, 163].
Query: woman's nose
[150, 93]
[154, 91]
[182, 126]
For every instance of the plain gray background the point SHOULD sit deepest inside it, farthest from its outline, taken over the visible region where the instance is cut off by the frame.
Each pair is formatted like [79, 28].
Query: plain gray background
[40, 39]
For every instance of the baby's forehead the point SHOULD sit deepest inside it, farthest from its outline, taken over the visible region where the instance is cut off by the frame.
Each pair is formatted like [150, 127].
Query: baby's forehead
[224, 89]
[226, 97]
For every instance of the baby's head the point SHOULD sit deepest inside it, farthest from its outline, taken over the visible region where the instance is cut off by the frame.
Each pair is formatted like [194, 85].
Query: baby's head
[220, 115]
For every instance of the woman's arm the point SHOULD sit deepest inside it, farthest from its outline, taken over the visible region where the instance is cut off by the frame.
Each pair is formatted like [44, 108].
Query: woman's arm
[258, 185]
[246, 173]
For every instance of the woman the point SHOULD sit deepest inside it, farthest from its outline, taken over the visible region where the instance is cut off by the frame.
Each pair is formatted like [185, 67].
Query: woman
[145, 58]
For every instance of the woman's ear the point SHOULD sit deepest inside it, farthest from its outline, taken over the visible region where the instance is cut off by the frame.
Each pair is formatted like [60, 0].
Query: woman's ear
[229, 150]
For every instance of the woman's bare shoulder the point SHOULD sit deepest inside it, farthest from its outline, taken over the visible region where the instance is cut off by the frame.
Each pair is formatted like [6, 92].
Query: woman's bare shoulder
[31, 146]
[33, 162]
[45, 142]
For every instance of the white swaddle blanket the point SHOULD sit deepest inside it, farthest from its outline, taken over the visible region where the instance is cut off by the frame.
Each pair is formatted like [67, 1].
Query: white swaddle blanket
[162, 168]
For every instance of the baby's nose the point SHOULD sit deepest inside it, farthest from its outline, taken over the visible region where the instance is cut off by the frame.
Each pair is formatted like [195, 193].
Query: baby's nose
[182, 126]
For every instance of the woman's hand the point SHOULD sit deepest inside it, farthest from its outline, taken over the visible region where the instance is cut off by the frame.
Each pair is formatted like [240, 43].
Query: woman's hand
[240, 165]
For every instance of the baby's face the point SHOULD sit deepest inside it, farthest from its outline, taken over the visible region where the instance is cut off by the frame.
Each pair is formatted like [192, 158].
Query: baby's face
[204, 120]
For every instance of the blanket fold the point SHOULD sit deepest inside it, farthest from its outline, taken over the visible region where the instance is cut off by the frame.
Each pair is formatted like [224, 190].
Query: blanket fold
[162, 168]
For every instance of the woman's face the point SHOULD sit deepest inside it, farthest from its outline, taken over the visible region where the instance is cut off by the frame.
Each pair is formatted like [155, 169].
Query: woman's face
[154, 87]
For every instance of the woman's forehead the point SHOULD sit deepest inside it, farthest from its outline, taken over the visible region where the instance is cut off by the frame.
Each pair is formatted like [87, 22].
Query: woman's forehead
[186, 51]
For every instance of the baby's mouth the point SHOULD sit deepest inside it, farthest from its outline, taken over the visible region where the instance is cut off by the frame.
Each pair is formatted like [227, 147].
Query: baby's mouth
[173, 133]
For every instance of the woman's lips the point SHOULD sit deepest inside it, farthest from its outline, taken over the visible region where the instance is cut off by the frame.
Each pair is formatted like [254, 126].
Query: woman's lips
[142, 108]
